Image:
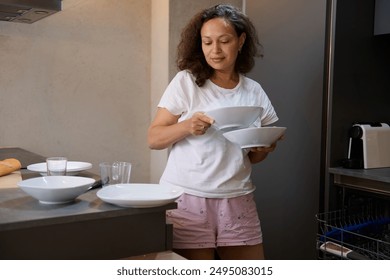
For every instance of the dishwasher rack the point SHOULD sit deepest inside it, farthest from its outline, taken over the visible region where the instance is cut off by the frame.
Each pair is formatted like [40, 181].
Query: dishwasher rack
[347, 234]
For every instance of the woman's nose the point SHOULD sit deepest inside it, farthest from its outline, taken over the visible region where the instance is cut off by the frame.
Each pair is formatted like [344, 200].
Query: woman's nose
[216, 48]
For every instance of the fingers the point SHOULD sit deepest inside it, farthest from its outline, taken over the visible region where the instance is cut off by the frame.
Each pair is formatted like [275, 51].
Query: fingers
[200, 129]
[267, 149]
[200, 123]
[203, 118]
[264, 149]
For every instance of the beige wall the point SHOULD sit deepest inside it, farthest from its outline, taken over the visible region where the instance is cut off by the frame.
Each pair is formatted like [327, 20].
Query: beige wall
[78, 83]
[84, 83]
[159, 75]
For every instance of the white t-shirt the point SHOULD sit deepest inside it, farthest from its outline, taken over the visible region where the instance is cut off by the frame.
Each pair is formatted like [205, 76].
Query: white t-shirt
[209, 165]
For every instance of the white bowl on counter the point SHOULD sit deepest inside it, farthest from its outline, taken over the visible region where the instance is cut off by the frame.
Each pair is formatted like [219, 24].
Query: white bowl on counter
[255, 136]
[235, 117]
[56, 189]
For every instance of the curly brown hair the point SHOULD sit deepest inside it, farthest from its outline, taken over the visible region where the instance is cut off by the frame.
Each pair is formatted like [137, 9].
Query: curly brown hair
[189, 52]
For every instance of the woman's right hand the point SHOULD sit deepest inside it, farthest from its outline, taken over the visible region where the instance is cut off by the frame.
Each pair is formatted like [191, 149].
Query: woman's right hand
[199, 123]
[165, 129]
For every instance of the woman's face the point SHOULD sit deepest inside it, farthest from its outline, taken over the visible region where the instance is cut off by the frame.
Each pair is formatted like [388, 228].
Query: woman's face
[220, 44]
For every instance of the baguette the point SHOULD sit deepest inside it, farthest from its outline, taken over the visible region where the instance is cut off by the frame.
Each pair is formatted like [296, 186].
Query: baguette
[9, 165]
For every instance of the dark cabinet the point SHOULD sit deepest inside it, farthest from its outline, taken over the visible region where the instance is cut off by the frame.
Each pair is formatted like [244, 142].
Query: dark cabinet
[382, 18]
[357, 84]
[357, 89]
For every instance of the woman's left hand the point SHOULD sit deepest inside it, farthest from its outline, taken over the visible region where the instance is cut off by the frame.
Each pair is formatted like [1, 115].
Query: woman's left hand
[258, 154]
[264, 149]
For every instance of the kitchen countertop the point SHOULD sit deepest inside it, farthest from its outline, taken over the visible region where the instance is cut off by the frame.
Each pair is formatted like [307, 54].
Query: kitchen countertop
[18, 210]
[376, 180]
[376, 174]
[86, 228]
[25, 157]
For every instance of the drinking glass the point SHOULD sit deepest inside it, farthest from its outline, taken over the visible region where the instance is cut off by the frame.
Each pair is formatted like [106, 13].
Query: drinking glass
[56, 166]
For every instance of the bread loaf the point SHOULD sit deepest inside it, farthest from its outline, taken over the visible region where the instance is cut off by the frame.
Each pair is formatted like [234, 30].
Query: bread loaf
[9, 165]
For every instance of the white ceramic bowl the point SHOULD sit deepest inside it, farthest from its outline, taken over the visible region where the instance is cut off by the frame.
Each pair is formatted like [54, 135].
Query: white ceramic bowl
[56, 189]
[235, 117]
[255, 136]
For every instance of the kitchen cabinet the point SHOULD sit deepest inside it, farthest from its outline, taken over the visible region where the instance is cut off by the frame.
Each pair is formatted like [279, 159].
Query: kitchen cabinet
[323, 70]
[86, 229]
[356, 84]
[354, 202]
[382, 18]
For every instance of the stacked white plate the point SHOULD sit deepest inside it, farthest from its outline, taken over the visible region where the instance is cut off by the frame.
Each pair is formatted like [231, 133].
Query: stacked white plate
[236, 122]
[229, 118]
[255, 136]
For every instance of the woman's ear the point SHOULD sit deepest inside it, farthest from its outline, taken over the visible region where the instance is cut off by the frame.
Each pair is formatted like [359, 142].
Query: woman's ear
[241, 40]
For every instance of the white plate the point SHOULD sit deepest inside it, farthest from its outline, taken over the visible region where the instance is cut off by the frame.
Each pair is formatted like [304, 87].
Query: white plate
[139, 195]
[72, 167]
[234, 117]
[255, 136]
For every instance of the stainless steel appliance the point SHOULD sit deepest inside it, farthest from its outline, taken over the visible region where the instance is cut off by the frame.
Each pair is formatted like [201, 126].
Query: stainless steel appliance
[359, 230]
[357, 223]
[27, 11]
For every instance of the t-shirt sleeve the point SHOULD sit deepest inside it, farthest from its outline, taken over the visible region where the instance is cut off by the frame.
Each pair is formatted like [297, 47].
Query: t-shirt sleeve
[268, 115]
[173, 98]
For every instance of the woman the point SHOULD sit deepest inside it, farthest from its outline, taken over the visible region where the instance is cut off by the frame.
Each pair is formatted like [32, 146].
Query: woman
[217, 212]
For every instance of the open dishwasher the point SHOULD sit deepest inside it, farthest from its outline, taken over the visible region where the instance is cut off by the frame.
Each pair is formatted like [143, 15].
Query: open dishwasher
[357, 223]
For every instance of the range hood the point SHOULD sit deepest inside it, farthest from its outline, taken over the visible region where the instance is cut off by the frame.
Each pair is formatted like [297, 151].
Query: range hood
[27, 11]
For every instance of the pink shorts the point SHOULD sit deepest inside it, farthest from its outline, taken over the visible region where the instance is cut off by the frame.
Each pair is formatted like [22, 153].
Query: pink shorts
[212, 222]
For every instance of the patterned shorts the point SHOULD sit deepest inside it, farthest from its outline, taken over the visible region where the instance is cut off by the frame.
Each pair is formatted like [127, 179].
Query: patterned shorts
[213, 222]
